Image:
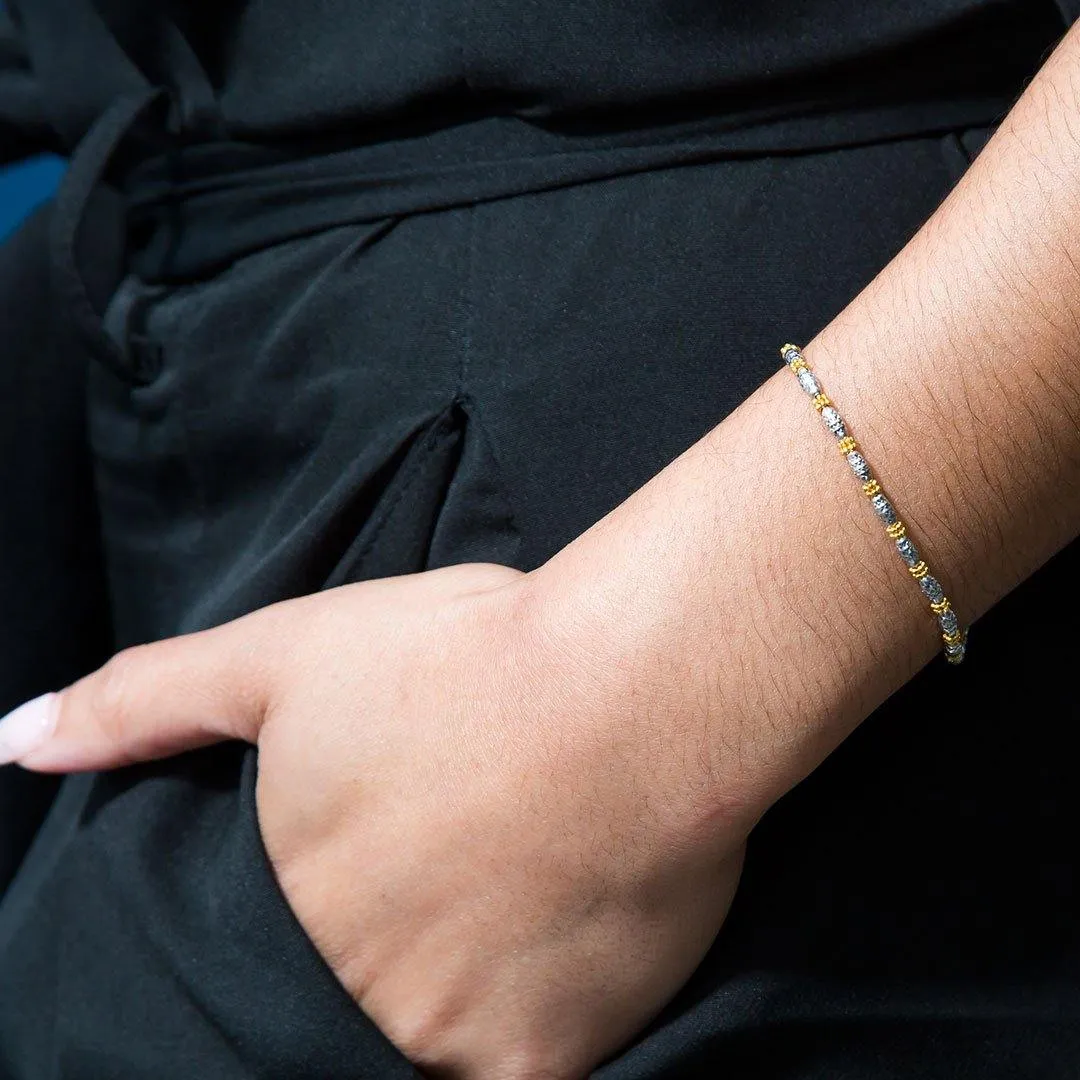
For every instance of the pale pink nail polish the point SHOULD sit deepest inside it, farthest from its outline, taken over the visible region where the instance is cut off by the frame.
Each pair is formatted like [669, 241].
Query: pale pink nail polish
[27, 727]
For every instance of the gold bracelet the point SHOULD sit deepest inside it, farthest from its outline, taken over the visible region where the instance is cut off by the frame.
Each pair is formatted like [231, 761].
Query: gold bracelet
[954, 637]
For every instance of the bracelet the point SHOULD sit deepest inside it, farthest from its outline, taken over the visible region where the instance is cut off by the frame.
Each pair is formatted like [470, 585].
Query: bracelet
[954, 637]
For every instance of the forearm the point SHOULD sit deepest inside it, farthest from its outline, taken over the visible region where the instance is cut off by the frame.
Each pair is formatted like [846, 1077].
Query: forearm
[743, 611]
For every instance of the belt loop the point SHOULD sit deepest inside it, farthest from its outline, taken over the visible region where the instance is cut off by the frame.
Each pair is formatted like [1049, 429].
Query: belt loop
[87, 167]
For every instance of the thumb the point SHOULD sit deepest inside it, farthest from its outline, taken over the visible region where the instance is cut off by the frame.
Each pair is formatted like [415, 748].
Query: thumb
[150, 701]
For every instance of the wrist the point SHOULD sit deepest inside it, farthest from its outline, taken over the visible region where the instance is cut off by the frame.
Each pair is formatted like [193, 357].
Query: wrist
[742, 611]
[633, 699]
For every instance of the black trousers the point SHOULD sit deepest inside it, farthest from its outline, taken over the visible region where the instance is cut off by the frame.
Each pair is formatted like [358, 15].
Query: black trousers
[482, 383]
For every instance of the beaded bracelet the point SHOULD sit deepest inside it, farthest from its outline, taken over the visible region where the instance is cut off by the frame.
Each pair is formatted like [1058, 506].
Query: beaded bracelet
[954, 637]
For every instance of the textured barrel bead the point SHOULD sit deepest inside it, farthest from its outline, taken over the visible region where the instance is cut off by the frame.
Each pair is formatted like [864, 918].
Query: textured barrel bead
[932, 588]
[884, 509]
[908, 551]
[833, 422]
[808, 381]
[859, 465]
[948, 622]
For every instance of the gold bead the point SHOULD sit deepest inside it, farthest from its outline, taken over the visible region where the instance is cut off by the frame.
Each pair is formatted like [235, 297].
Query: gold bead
[820, 401]
[846, 444]
[896, 530]
[871, 488]
[940, 607]
[796, 363]
[919, 570]
[953, 639]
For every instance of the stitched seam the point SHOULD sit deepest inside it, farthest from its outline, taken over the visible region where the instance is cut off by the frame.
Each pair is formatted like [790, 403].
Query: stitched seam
[468, 301]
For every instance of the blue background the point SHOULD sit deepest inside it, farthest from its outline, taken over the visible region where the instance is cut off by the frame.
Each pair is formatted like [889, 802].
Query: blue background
[23, 186]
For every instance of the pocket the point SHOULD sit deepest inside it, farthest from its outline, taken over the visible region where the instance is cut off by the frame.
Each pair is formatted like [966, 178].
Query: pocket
[411, 487]
[440, 501]
[308, 1024]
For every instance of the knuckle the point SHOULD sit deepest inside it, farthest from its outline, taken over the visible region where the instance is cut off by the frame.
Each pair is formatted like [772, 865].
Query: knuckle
[416, 1033]
[423, 1028]
[110, 702]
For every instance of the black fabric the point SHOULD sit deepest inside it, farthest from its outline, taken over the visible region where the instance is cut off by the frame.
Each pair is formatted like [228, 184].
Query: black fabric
[1070, 9]
[54, 623]
[24, 129]
[387, 342]
[343, 69]
[484, 383]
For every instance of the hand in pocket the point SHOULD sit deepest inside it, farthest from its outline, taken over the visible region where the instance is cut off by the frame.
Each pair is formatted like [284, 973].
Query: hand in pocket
[485, 855]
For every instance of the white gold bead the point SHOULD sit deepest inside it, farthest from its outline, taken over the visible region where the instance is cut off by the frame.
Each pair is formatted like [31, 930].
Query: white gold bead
[884, 509]
[808, 381]
[859, 465]
[908, 552]
[932, 588]
[833, 422]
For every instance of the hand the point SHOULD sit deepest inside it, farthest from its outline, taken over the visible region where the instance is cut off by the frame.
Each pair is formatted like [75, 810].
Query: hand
[491, 861]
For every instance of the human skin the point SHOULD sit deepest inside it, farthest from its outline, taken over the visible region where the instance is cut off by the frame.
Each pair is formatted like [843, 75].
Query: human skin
[510, 809]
